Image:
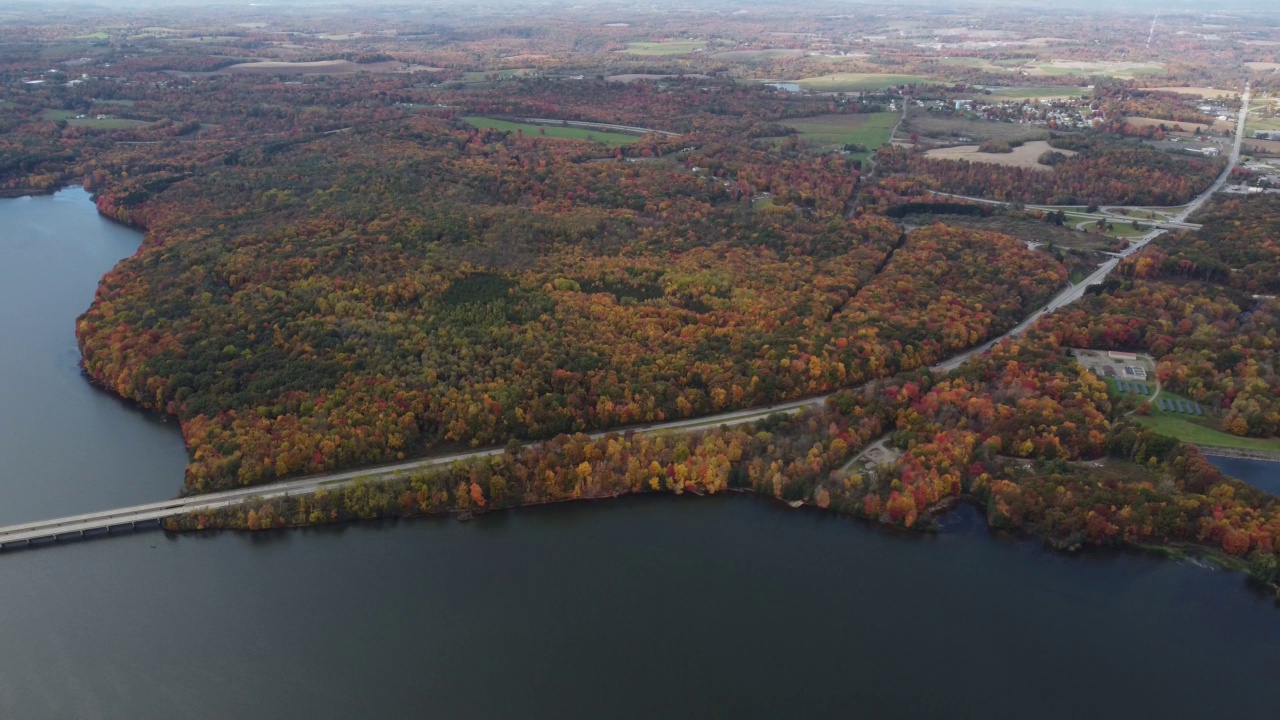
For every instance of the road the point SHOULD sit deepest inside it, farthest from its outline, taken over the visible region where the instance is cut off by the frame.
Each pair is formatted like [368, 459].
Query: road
[103, 522]
[1077, 291]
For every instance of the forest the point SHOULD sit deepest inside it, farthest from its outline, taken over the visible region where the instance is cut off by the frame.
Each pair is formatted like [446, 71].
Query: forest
[339, 270]
[1101, 172]
[527, 293]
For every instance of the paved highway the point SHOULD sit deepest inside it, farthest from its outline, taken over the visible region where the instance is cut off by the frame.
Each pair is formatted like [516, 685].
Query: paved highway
[105, 521]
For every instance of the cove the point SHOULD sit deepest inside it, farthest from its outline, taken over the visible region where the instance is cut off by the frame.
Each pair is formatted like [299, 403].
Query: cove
[67, 447]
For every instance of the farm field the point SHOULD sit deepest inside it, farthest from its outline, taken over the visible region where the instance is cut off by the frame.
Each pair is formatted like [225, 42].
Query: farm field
[1026, 155]
[857, 82]
[552, 131]
[1202, 92]
[754, 55]
[673, 47]
[1078, 68]
[1263, 147]
[1258, 120]
[870, 129]
[1182, 127]
[952, 128]
[1047, 92]
[319, 67]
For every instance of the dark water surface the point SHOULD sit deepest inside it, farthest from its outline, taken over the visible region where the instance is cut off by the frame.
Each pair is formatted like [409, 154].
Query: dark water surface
[655, 607]
[1263, 475]
[66, 447]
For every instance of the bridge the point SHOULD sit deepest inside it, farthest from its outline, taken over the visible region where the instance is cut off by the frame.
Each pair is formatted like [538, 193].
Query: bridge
[152, 515]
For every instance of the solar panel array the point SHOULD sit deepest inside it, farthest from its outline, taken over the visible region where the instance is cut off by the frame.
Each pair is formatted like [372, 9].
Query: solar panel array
[1188, 407]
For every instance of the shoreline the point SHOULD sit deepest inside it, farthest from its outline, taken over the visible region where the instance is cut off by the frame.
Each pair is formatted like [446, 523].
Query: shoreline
[1239, 453]
[929, 525]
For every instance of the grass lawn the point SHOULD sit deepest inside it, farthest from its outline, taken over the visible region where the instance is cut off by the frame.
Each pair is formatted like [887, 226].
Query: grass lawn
[673, 47]
[1255, 123]
[552, 131]
[869, 129]
[1198, 429]
[857, 82]
[107, 124]
[1122, 228]
[1188, 430]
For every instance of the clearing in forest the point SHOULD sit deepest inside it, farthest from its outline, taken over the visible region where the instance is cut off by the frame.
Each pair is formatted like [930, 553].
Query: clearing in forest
[105, 123]
[753, 55]
[319, 67]
[485, 75]
[673, 47]
[552, 131]
[868, 129]
[1106, 68]
[1026, 155]
[857, 82]
[631, 77]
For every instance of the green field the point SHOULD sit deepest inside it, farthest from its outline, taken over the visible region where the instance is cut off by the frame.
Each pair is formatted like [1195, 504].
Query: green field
[106, 124]
[857, 82]
[674, 47]
[484, 75]
[1101, 69]
[552, 131]
[870, 129]
[92, 36]
[1194, 432]
[1256, 120]
[1118, 229]
[1198, 429]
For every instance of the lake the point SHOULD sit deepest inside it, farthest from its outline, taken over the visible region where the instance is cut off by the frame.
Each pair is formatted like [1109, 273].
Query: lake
[1263, 475]
[638, 608]
[65, 446]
